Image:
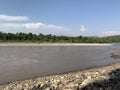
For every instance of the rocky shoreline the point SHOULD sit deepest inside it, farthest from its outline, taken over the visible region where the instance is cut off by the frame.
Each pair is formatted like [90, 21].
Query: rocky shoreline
[99, 78]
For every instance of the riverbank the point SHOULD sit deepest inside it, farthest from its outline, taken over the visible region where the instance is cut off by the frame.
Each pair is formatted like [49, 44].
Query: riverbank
[99, 78]
[53, 44]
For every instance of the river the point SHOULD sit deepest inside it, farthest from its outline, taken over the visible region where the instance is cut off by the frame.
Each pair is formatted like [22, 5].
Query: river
[24, 62]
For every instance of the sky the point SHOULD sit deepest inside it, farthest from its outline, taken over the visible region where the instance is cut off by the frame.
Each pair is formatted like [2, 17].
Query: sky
[61, 17]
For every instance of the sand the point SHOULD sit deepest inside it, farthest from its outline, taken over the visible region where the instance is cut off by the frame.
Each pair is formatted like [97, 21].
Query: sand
[54, 44]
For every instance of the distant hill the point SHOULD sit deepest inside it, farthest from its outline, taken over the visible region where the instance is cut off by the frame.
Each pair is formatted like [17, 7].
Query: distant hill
[112, 39]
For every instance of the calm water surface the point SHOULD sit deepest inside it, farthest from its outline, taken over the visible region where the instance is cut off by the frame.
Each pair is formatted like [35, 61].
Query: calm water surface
[24, 62]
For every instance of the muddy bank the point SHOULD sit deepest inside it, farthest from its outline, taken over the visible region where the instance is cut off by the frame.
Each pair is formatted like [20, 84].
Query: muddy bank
[99, 78]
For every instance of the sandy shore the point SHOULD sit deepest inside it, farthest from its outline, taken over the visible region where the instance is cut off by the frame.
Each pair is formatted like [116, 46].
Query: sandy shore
[53, 44]
[99, 78]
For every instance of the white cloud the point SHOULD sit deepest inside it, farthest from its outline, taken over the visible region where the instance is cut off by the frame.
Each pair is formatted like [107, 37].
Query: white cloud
[29, 26]
[9, 26]
[55, 26]
[13, 18]
[83, 29]
[109, 33]
[38, 28]
[33, 25]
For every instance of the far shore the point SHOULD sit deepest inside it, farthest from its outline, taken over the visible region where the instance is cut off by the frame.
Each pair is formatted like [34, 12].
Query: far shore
[54, 44]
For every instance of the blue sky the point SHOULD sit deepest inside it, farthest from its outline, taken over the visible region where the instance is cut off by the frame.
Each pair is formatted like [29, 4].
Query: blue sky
[61, 17]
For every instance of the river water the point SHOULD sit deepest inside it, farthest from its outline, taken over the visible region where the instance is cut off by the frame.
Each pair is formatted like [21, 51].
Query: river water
[24, 62]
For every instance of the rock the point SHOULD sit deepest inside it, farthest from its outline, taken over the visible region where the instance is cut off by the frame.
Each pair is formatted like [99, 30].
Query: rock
[101, 89]
[109, 88]
[76, 88]
[96, 88]
[47, 88]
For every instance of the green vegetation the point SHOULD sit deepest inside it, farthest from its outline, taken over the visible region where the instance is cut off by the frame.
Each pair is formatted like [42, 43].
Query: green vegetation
[41, 38]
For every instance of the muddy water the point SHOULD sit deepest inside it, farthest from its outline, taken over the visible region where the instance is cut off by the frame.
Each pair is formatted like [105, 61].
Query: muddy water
[24, 62]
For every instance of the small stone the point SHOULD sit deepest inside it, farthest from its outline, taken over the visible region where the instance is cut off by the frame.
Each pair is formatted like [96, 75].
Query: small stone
[109, 88]
[75, 88]
[95, 88]
[101, 88]
[47, 88]
[77, 76]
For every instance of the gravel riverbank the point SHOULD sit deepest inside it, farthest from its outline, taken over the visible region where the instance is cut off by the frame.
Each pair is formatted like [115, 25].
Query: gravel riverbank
[99, 78]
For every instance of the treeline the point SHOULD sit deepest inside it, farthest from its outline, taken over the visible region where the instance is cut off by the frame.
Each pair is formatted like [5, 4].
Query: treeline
[41, 38]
